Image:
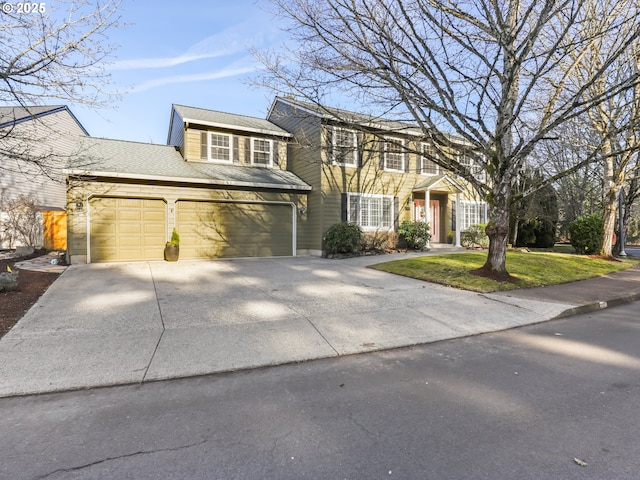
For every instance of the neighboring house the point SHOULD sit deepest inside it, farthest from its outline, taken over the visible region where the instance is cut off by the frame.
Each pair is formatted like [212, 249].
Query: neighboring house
[28, 135]
[372, 172]
[223, 182]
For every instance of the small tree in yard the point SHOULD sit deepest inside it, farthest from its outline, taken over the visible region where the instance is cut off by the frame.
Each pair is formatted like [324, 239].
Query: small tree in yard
[22, 222]
[486, 76]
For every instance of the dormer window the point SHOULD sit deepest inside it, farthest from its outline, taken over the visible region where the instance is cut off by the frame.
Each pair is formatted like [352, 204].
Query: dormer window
[216, 147]
[261, 152]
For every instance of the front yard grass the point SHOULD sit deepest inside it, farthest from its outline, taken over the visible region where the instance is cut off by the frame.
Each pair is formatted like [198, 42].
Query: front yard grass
[531, 269]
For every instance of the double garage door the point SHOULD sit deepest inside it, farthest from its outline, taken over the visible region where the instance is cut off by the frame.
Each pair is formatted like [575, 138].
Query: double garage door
[131, 229]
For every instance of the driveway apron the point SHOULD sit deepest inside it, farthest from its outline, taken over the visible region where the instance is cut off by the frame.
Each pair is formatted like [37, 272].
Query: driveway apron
[109, 324]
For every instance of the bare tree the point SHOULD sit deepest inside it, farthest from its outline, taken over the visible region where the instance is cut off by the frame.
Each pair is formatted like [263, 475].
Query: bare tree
[52, 52]
[492, 73]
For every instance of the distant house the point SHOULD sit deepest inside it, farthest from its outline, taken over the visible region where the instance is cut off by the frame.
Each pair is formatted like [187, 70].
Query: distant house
[223, 182]
[45, 135]
[371, 171]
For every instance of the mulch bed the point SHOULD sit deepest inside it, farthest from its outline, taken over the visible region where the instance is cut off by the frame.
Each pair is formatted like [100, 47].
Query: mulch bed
[31, 285]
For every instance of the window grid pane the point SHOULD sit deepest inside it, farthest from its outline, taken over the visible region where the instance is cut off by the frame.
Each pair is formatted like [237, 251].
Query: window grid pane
[220, 147]
[428, 167]
[261, 151]
[371, 212]
[344, 146]
[394, 155]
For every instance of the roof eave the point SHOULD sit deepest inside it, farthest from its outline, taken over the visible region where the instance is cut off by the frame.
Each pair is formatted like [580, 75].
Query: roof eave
[237, 127]
[201, 181]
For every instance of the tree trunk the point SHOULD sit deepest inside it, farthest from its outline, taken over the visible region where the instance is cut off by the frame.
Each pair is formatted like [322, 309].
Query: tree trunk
[610, 204]
[498, 233]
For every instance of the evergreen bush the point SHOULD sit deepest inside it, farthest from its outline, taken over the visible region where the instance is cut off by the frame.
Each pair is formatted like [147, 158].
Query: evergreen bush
[344, 237]
[585, 234]
[415, 234]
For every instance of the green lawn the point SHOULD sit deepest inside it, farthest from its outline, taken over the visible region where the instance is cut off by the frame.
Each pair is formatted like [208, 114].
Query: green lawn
[532, 269]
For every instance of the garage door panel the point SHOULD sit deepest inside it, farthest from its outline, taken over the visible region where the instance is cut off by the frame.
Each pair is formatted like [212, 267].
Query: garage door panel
[217, 229]
[127, 229]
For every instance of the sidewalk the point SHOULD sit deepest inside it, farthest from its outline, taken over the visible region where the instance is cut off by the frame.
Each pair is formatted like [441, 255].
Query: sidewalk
[114, 324]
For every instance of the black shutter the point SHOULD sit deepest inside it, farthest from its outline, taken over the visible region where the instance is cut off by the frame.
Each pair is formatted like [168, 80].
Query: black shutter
[276, 152]
[236, 149]
[406, 157]
[345, 199]
[381, 148]
[360, 147]
[247, 151]
[396, 213]
[203, 146]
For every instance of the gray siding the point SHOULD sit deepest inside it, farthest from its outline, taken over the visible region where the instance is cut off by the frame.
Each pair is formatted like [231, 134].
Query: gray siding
[54, 135]
[176, 134]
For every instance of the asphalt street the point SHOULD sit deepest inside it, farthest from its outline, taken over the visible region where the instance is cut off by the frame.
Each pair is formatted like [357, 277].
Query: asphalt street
[557, 400]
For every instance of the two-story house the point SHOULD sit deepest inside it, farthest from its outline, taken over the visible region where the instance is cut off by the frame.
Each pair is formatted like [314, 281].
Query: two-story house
[373, 172]
[222, 181]
[35, 144]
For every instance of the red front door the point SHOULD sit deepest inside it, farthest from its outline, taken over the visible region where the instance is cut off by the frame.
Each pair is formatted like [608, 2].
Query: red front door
[434, 227]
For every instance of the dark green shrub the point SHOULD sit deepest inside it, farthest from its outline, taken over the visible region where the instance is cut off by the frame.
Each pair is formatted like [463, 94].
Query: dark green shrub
[343, 237]
[536, 233]
[415, 234]
[584, 234]
[474, 236]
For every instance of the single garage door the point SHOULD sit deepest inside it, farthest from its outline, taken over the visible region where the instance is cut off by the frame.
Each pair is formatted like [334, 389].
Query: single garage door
[127, 229]
[221, 229]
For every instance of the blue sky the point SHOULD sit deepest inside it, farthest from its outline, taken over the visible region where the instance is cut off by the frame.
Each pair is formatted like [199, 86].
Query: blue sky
[191, 53]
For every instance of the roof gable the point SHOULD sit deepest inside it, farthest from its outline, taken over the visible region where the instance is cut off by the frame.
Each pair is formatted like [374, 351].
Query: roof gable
[226, 120]
[13, 115]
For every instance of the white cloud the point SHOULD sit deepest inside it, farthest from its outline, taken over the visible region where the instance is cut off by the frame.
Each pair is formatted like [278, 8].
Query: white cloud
[229, 71]
[235, 39]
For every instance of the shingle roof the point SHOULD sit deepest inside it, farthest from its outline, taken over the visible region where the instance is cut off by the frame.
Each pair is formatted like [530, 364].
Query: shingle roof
[11, 115]
[346, 116]
[229, 120]
[143, 161]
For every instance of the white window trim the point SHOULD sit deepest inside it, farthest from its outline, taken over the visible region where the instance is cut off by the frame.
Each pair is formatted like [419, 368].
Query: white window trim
[253, 151]
[481, 208]
[354, 136]
[422, 158]
[388, 140]
[380, 227]
[209, 145]
[477, 171]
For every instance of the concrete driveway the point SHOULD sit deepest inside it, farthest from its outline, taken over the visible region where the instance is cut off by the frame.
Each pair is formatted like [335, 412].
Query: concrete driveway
[108, 324]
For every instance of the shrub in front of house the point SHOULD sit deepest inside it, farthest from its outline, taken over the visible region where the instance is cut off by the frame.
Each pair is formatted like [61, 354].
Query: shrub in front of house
[585, 234]
[415, 234]
[474, 236]
[345, 237]
[379, 241]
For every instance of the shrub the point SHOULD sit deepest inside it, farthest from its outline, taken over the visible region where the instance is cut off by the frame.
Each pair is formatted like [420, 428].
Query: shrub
[415, 234]
[474, 236]
[585, 232]
[8, 281]
[175, 238]
[379, 241]
[344, 237]
[536, 233]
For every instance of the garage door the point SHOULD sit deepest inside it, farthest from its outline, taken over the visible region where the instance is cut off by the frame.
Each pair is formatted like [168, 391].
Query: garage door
[127, 229]
[218, 229]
